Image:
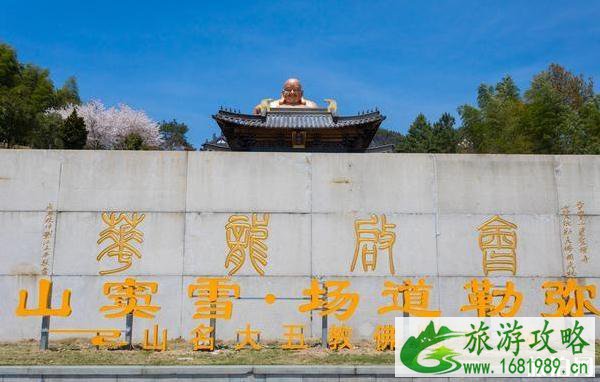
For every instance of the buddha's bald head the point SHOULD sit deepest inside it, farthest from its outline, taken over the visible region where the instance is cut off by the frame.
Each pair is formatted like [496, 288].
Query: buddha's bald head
[292, 82]
[292, 96]
[292, 92]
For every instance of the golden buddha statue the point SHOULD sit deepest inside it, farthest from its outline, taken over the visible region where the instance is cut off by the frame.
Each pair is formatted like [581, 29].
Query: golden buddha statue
[291, 97]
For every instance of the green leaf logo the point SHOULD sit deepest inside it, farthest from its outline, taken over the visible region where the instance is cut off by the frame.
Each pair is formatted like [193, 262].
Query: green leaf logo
[413, 347]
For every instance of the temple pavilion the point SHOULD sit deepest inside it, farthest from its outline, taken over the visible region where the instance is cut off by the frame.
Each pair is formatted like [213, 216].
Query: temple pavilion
[293, 123]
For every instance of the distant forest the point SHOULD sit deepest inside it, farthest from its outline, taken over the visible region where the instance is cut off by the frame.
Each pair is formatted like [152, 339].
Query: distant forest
[558, 114]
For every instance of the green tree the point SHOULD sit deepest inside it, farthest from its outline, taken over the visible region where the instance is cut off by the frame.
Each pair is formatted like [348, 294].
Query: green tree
[573, 90]
[68, 93]
[15, 121]
[546, 122]
[561, 113]
[72, 132]
[132, 141]
[174, 137]
[9, 66]
[507, 90]
[26, 92]
[36, 88]
[45, 136]
[588, 136]
[420, 136]
[445, 137]
[495, 126]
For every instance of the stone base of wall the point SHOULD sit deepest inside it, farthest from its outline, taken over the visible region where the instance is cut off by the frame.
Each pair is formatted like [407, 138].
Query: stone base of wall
[224, 373]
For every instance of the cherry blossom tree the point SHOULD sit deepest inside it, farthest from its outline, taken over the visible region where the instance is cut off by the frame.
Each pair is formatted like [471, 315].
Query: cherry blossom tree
[109, 128]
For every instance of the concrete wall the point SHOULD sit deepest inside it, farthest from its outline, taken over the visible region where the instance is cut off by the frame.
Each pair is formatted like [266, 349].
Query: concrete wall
[436, 201]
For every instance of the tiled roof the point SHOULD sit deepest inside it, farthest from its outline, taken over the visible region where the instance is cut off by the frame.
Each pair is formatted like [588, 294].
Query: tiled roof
[300, 120]
[306, 119]
[240, 119]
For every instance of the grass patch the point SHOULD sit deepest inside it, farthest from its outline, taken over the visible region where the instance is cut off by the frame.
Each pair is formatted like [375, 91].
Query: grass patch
[80, 352]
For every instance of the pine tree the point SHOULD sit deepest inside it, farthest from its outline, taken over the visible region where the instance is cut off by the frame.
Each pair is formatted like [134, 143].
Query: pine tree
[173, 135]
[420, 136]
[444, 135]
[72, 133]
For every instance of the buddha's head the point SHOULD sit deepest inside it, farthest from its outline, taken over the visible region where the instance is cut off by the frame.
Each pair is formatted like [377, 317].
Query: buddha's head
[292, 92]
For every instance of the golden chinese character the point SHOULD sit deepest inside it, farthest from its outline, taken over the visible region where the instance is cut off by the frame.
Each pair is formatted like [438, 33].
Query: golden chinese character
[339, 337]
[102, 337]
[248, 338]
[107, 338]
[385, 337]
[295, 337]
[132, 297]
[121, 231]
[44, 298]
[570, 298]
[330, 299]
[415, 298]
[370, 239]
[498, 244]
[242, 235]
[213, 294]
[146, 345]
[488, 302]
[202, 339]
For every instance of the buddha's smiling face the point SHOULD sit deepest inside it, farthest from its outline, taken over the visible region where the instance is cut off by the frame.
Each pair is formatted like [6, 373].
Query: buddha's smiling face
[292, 92]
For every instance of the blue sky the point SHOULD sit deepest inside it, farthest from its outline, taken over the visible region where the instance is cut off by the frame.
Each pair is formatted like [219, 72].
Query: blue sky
[184, 59]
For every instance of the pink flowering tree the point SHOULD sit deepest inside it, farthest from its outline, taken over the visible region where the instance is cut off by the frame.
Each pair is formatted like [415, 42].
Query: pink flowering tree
[114, 127]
